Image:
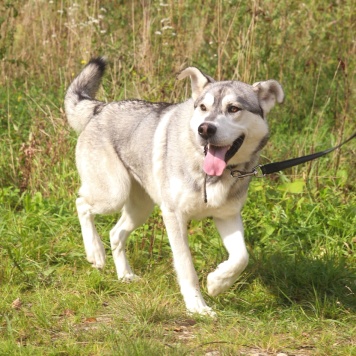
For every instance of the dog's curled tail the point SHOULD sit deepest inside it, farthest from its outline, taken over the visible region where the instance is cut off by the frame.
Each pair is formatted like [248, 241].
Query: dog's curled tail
[80, 104]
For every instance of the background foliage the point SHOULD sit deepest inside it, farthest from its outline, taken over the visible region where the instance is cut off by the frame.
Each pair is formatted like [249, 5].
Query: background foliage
[298, 293]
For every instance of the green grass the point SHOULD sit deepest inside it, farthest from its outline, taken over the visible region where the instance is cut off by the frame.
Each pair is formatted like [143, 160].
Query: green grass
[297, 295]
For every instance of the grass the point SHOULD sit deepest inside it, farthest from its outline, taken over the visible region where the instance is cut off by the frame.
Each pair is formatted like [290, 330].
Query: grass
[297, 295]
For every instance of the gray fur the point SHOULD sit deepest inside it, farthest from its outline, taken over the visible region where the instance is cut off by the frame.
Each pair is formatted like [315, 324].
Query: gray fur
[133, 154]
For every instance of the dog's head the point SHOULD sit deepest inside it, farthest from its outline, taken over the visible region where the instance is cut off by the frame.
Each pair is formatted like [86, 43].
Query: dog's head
[230, 117]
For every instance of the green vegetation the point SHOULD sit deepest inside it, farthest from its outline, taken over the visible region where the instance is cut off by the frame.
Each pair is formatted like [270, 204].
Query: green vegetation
[297, 295]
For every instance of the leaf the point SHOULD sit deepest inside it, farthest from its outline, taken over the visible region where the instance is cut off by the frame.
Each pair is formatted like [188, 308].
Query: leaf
[295, 187]
[342, 176]
[90, 320]
[68, 312]
[16, 304]
[48, 271]
[270, 230]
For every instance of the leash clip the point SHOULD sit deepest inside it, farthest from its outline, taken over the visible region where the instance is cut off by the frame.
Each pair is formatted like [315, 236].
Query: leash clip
[241, 174]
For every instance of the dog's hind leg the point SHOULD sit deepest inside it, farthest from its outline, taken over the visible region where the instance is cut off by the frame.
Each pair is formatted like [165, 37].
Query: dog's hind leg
[227, 272]
[136, 210]
[105, 188]
[94, 248]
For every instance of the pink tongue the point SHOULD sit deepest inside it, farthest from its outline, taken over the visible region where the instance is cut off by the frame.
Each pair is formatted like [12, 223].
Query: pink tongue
[214, 162]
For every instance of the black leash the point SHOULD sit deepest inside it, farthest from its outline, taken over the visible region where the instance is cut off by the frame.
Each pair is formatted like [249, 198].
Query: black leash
[263, 170]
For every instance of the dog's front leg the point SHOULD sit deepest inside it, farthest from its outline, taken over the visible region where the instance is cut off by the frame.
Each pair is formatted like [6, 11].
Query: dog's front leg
[227, 272]
[176, 226]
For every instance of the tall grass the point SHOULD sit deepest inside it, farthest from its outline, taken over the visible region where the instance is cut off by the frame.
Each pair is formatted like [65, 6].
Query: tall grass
[308, 47]
[298, 294]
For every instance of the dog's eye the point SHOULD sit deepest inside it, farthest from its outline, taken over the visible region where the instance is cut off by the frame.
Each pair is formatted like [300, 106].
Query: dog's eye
[233, 109]
[202, 107]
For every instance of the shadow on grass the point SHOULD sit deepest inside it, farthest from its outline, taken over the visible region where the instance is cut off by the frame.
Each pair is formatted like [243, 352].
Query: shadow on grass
[324, 285]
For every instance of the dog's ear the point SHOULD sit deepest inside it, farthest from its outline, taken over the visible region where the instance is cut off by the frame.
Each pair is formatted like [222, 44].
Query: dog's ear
[268, 93]
[199, 80]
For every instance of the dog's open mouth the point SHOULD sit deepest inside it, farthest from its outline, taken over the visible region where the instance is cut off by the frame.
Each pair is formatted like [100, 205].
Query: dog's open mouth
[217, 157]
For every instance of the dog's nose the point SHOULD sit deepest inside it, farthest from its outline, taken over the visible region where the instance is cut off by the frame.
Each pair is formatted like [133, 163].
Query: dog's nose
[206, 130]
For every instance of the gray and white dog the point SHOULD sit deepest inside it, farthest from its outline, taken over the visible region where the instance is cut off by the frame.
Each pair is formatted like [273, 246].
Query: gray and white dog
[133, 154]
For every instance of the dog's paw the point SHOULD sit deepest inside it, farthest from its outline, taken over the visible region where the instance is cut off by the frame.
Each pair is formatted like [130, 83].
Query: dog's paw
[96, 256]
[96, 264]
[197, 305]
[205, 311]
[129, 277]
[225, 275]
[216, 283]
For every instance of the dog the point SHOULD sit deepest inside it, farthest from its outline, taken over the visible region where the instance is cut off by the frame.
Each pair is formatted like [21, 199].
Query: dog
[132, 154]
